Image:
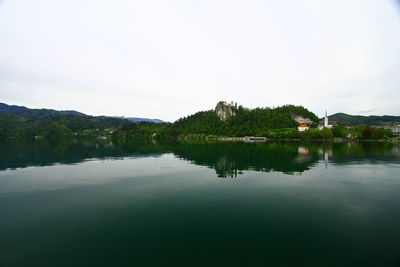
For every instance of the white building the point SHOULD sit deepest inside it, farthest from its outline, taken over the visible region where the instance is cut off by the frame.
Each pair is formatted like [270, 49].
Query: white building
[303, 127]
[395, 129]
[325, 122]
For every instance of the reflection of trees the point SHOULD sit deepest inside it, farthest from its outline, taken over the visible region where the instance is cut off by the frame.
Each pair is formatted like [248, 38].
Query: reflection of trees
[363, 152]
[24, 153]
[226, 168]
[229, 159]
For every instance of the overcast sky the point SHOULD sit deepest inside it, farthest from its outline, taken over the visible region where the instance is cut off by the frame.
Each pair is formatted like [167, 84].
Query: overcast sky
[168, 59]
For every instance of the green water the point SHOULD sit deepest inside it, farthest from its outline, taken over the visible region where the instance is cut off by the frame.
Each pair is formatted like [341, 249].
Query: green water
[220, 204]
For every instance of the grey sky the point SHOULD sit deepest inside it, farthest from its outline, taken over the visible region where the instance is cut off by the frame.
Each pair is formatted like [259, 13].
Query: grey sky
[168, 59]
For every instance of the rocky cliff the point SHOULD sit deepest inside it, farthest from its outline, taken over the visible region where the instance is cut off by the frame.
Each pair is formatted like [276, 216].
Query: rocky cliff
[224, 110]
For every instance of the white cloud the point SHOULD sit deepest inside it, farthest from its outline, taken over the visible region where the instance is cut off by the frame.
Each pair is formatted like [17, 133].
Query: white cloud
[168, 59]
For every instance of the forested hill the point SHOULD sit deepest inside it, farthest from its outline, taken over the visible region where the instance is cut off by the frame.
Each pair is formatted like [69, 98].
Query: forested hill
[18, 121]
[230, 120]
[367, 120]
[36, 113]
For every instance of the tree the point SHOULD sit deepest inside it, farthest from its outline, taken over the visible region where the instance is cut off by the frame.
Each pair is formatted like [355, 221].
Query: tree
[366, 132]
[339, 131]
[326, 133]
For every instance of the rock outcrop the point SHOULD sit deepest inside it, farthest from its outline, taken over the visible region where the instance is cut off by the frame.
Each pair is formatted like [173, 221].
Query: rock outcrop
[224, 110]
[302, 120]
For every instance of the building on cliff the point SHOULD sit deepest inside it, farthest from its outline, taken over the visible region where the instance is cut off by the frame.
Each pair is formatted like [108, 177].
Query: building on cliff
[224, 109]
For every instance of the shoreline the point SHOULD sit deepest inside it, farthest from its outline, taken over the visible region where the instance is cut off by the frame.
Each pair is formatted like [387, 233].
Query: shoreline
[246, 139]
[254, 139]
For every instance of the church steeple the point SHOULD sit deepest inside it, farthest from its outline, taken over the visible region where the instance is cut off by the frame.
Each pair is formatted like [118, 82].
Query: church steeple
[326, 119]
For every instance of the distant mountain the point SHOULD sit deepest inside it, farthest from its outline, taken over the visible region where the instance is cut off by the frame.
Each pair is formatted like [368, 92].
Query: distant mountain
[356, 120]
[134, 119]
[19, 121]
[48, 113]
[36, 113]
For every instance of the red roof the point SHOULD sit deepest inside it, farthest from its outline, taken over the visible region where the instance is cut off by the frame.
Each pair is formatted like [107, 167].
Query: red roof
[304, 125]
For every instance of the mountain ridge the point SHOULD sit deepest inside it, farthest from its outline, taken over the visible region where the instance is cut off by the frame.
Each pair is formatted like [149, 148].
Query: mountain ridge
[24, 111]
[370, 120]
[35, 113]
[20, 121]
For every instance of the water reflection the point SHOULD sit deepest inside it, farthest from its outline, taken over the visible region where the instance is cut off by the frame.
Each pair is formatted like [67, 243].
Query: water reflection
[229, 160]
[25, 153]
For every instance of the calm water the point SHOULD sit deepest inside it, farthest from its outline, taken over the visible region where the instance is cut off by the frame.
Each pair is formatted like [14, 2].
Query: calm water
[221, 204]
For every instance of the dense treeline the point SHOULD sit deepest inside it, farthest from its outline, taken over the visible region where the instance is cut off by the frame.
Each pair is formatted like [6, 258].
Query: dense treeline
[143, 131]
[340, 131]
[57, 126]
[254, 122]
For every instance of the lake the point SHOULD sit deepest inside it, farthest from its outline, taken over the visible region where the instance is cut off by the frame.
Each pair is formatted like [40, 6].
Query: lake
[91, 203]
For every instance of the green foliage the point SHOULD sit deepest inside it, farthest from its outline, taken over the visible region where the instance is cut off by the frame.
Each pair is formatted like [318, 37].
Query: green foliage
[366, 132]
[274, 123]
[311, 134]
[246, 122]
[326, 133]
[143, 131]
[286, 133]
[363, 132]
[339, 131]
[57, 130]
